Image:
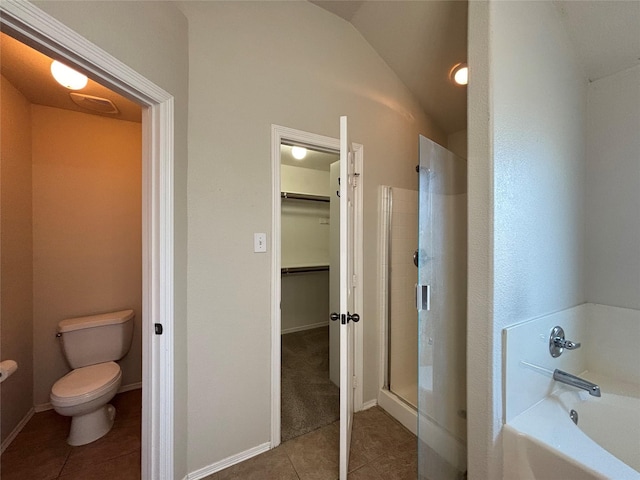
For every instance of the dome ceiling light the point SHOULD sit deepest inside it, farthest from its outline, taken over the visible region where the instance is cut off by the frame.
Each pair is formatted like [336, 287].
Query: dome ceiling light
[68, 77]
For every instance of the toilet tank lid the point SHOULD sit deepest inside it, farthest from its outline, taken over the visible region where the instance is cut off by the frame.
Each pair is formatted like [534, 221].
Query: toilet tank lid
[111, 318]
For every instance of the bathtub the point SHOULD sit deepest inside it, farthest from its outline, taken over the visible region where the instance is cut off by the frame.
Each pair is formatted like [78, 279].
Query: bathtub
[543, 443]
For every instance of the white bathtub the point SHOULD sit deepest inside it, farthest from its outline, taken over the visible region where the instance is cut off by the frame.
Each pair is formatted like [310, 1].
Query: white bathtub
[543, 443]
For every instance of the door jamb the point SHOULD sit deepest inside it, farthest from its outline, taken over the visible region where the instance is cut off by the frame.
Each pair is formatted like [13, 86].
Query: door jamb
[278, 134]
[36, 28]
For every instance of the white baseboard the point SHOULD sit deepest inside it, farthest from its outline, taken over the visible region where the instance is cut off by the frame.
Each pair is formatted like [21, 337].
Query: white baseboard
[304, 327]
[399, 410]
[228, 462]
[131, 386]
[43, 407]
[369, 404]
[17, 430]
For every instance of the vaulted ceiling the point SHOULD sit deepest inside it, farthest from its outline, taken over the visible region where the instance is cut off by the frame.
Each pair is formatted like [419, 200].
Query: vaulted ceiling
[422, 40]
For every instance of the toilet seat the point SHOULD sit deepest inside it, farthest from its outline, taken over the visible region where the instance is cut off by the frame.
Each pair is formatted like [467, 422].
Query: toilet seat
[84, 384]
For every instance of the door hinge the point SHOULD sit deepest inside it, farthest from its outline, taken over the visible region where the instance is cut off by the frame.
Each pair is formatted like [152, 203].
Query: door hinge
[355, 381]
[158, 328]
[354, 280]
[355, 180]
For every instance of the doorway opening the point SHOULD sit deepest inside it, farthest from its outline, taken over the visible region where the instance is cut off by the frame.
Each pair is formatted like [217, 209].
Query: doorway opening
[71, 243]
[309, 248]
[35, 28]
[303, 264]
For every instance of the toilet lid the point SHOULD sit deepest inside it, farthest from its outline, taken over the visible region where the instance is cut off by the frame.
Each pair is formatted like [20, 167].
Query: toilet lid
[85, 380]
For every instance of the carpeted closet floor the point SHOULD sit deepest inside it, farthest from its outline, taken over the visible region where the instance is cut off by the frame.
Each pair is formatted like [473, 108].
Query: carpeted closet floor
[309, 399]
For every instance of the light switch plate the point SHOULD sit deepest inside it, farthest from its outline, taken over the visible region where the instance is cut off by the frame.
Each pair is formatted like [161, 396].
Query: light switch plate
[259, 242]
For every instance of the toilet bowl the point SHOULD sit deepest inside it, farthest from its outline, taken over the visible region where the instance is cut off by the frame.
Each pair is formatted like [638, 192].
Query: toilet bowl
[91, 345]
[83, 394]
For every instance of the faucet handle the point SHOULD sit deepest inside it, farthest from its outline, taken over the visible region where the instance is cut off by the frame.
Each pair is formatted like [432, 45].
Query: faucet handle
[568, 344]
[557, 342]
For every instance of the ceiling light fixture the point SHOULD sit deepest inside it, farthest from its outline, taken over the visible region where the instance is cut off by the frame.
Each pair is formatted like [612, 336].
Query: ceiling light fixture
[68, 77]
[298, 152]
[459, 74]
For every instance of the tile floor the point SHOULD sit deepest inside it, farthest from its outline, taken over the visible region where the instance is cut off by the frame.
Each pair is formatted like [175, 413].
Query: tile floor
[381, 449]
[40, 451]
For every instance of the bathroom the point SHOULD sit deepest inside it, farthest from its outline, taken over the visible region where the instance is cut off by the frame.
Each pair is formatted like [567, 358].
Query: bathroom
[560, 160]
[485, 328]
[71, 231]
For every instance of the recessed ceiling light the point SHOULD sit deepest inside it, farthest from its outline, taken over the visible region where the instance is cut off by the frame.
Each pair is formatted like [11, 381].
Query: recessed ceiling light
[68, 77]
[298, 152]
[459, 74]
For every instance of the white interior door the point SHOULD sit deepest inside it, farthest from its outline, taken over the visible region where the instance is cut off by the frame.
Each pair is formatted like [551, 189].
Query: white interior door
[347, 315]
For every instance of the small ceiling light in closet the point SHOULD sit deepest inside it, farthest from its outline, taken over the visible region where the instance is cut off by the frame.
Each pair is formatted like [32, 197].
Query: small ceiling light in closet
[68, 77]
[459, 74]
[298, 152]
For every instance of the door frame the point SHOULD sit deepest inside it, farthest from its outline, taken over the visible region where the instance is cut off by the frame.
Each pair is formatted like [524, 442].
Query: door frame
[278, 134]
[39, 30]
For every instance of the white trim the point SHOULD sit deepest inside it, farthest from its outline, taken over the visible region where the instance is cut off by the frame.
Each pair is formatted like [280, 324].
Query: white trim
[369, 404]
[131, 386]
[14, 433]
[43, 407]
[358, 267]
[399, 410]
[302, 328]
[36, 28]
[278, 134]
[228, 462]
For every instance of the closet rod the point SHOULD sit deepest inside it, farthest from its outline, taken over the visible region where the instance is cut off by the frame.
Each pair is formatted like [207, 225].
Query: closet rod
[291, 270]
[303, 196]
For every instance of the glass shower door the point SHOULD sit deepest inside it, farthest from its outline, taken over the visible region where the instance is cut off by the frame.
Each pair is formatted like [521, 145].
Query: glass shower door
[441, 298]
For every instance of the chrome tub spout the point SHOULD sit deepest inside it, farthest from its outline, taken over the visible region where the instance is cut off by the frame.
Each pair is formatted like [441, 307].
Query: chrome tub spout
[568, 379]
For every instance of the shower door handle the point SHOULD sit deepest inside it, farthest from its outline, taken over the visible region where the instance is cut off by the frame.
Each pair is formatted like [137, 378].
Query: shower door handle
[423, 297]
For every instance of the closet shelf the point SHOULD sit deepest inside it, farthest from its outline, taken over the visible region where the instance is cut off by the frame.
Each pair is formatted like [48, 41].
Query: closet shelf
[303, 196]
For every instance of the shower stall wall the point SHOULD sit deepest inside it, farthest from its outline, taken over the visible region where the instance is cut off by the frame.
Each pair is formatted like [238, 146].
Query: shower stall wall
[400, 218]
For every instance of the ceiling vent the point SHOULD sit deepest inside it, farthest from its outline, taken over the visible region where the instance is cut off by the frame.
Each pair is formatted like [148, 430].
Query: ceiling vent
[97, 104]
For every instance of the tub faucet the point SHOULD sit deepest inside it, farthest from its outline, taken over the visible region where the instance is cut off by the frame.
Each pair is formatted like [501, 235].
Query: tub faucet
[568, 379]
[557, 342]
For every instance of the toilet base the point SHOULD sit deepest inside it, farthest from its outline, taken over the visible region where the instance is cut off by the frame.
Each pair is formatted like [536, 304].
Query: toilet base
[91, 426]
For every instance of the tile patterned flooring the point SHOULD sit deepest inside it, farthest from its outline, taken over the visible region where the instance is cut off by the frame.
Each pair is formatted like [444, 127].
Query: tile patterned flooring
[40, 451]
[381, 449]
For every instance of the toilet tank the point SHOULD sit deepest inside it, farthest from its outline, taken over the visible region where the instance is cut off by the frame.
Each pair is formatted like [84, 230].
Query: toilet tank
[96, 338]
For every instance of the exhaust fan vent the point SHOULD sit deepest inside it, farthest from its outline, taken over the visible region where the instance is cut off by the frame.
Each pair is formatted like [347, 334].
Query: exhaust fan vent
[97, 104]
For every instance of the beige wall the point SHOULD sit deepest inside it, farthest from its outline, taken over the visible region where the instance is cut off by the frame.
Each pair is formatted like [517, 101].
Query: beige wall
[87, 221]
[151, 37]
[253, 64]
[15, 256]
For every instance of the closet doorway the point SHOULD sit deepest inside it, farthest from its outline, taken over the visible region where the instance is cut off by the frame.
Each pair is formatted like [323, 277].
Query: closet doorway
[303, 270]
[309, 248]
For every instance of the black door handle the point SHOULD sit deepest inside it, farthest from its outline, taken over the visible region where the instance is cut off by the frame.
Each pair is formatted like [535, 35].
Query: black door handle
[334, 316]
[353, 317]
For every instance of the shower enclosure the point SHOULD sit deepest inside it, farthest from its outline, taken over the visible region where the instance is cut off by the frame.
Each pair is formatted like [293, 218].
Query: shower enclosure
[441, 302]
[424, 271]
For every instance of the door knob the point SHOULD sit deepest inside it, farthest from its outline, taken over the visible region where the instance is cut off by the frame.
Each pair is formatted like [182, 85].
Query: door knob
[334, 316]
[353, 317]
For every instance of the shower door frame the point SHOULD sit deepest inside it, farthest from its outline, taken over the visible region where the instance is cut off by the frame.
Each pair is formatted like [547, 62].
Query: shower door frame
[39, 30]
[278, 135]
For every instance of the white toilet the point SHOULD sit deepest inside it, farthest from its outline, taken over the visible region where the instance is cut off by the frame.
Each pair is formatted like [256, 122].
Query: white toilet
[91, 345]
